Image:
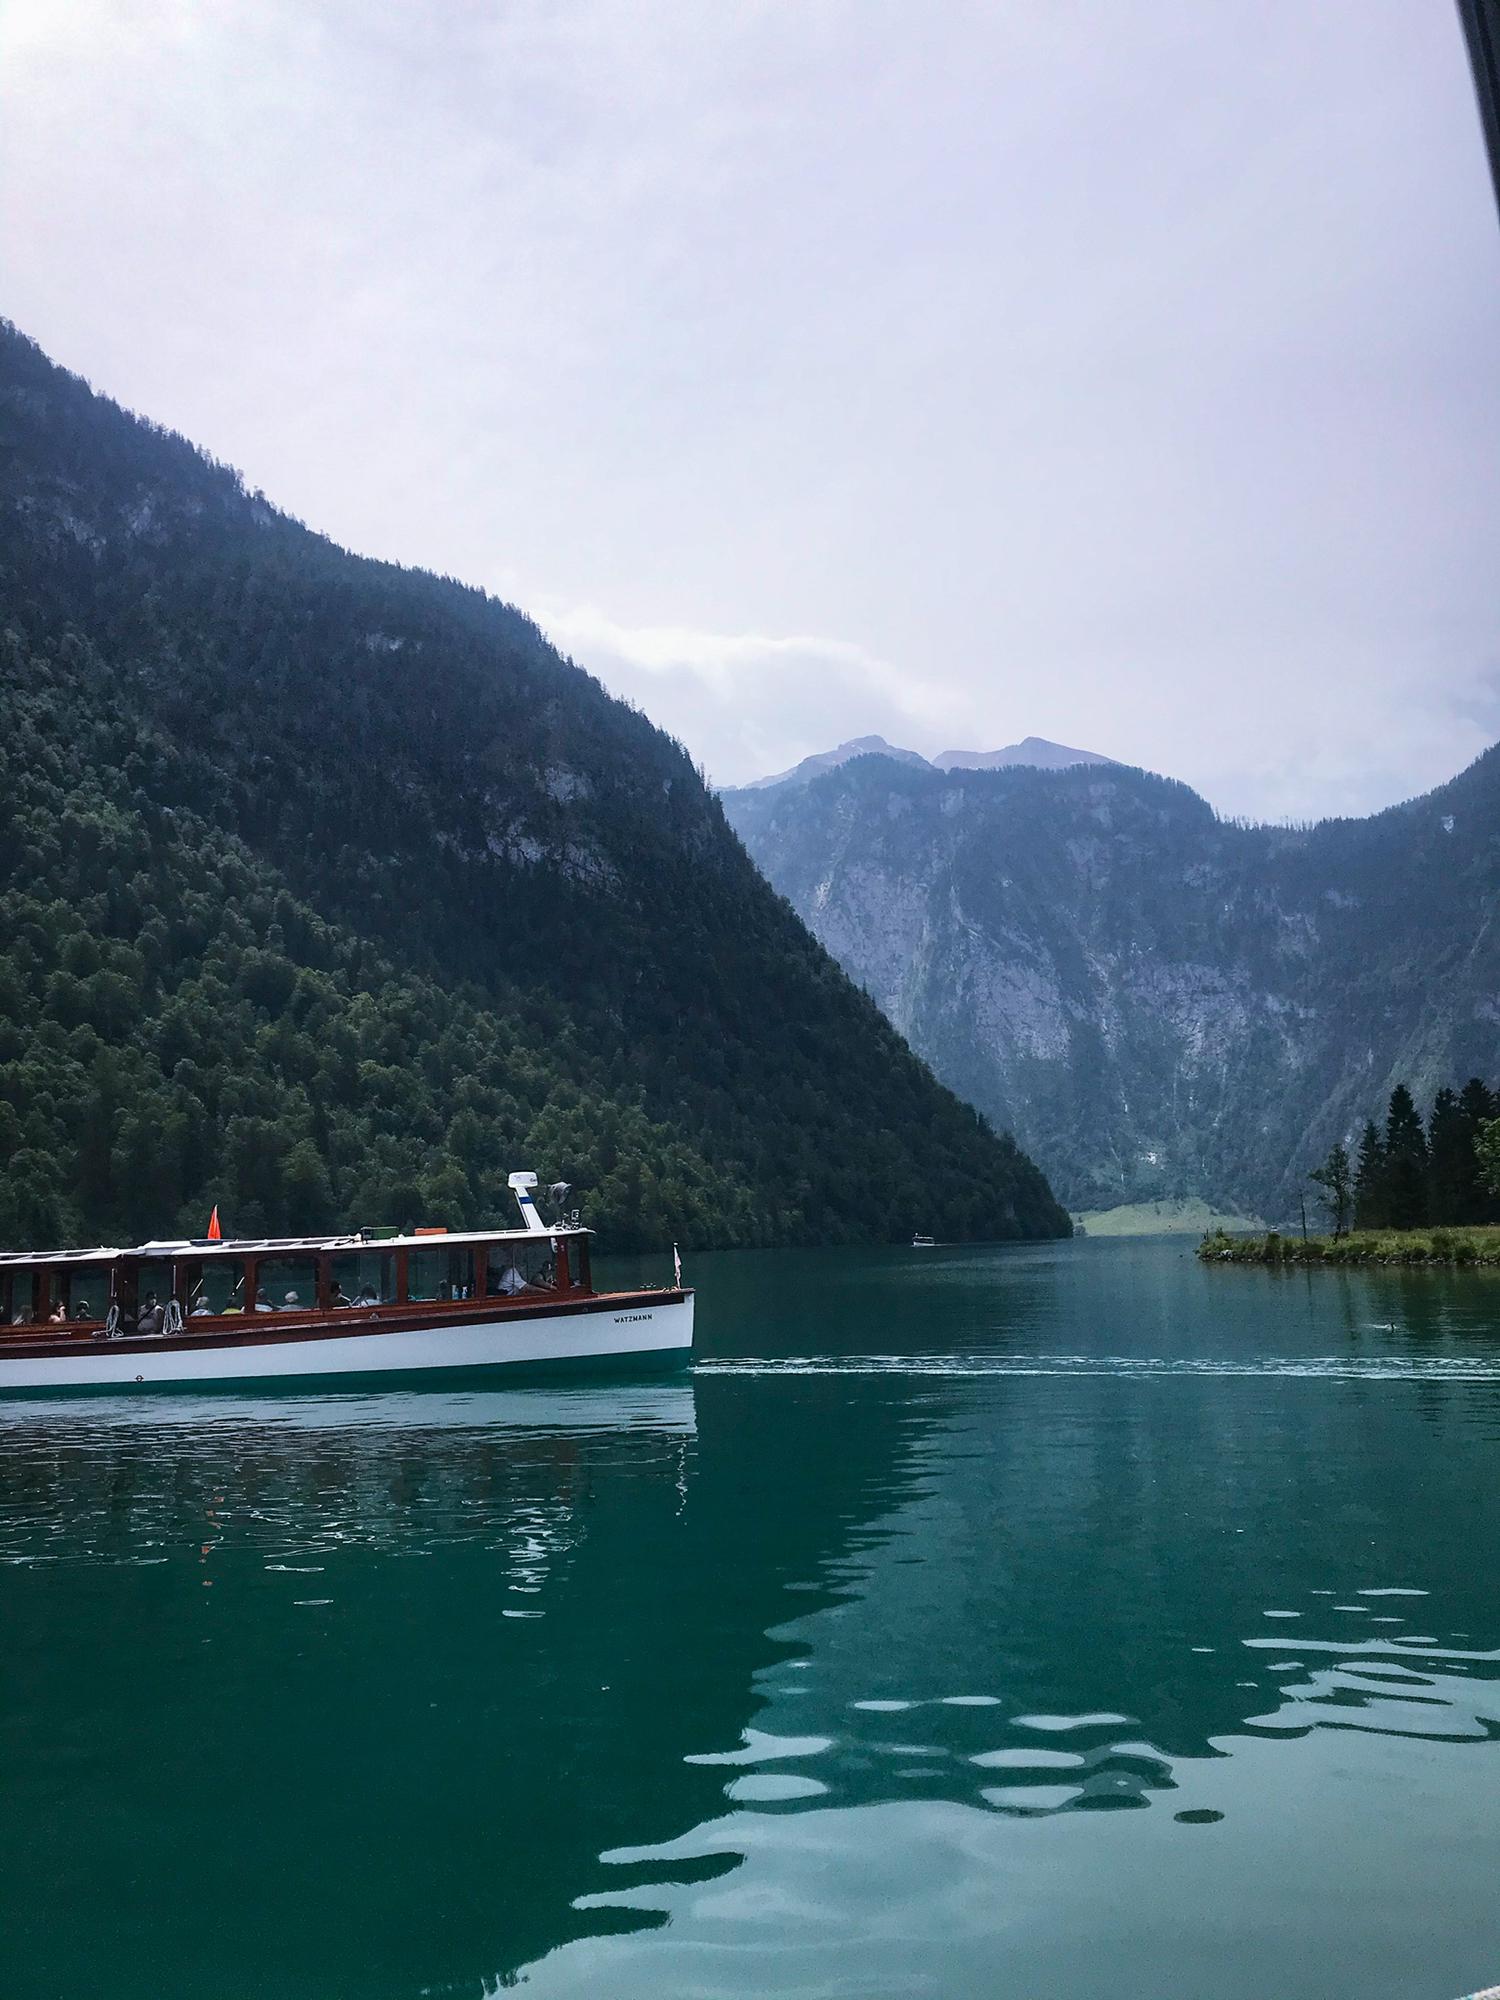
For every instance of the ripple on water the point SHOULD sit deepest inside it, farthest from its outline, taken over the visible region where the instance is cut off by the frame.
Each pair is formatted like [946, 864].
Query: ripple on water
[1102, 1720]
[1314, 1367]
[1030, 1798]
[762, 1748]
[1024, 1757]
[772, 1788]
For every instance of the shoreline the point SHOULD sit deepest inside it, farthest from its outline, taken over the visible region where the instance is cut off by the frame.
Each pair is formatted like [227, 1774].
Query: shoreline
[1460, 1247]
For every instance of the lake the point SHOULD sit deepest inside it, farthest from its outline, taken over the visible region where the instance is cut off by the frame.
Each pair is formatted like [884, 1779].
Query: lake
[1029, 1622]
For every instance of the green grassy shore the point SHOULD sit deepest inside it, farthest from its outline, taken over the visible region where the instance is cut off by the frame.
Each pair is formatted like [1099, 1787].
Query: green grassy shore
[1460, 1247]
[1191, 1217]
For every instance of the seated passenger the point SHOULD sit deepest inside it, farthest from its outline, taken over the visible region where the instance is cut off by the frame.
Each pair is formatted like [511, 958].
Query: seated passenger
[368, 1296]
[58, 1315]
[263, 1300]
[83, 1310]
[511, 1281]
[200, 1307]
[152, 1318]
[291, 1303]
[336, 1296]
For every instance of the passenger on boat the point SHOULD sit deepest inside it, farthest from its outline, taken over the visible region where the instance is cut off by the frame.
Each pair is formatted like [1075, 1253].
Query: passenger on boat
[152, 1319]
[263, 1300]
[291, 1303]
[58, 1315]
[83, 1310]
[336, 1296]
[201, 1308]
[368, 1296]
[510, 1281]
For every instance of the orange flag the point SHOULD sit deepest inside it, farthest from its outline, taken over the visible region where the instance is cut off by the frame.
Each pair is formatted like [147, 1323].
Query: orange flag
[215, 1234]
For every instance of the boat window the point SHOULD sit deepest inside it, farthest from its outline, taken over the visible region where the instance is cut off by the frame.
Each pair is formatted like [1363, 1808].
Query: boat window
[439, 1274]
[224, 1282]
[21, 1297]
[286, 1284]
[513, 1268]
[82, 1291]
[216, 1285]
[143, 1287]
[363, 1277]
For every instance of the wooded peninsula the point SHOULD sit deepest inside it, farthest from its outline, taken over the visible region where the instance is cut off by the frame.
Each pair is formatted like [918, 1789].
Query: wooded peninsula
[1414, 1194]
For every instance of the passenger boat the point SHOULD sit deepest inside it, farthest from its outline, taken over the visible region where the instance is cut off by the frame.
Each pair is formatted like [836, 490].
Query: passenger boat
[920, 1242]
[373, 1304]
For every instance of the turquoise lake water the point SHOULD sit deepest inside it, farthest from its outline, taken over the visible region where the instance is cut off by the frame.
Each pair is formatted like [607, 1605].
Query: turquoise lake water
[1033, 1622]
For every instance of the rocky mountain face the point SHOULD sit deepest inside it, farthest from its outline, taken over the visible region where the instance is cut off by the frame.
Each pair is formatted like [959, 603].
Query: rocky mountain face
[1158, 1002]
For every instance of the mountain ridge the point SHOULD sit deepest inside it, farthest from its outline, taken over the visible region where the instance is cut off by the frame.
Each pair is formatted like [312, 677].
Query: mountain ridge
[1038, 752]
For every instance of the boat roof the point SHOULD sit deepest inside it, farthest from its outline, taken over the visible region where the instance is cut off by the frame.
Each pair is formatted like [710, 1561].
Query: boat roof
[289, 1246]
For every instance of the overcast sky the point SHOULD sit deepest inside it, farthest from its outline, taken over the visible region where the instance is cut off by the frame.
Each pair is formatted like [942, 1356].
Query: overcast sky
[1125, 374]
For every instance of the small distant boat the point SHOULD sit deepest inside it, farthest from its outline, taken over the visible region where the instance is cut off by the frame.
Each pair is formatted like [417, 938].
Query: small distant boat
[377, 1303]
[920, 1242]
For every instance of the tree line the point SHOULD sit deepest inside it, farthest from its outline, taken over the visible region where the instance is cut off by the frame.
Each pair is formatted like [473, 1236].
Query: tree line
[1409, 1175]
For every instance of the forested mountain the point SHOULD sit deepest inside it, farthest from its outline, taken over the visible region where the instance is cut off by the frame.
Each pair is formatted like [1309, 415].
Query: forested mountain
[330, 892]
[1159, 1002]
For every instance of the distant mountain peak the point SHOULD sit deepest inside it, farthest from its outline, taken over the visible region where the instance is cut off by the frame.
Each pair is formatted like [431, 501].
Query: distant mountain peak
[829, 760]
[1033, 750]
[1036, 751]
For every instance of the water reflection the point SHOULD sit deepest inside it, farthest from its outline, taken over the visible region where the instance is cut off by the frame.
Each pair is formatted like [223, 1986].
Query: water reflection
[1147, 1625]
[352, 1700]
[598, 1406]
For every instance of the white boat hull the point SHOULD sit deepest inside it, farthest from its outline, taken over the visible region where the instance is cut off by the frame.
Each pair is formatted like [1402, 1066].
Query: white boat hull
[635, 1331]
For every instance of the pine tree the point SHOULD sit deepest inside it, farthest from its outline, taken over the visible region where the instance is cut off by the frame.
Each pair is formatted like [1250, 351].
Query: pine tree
[1371, 1203]
[1335, 1180]
[1487, 1149]
[1479, 1105]
[1477, 1101]
[1453, 1178]
[1405, 1162]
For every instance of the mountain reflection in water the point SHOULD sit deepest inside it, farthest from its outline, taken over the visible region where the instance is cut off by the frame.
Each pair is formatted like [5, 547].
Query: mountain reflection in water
[957, 1629]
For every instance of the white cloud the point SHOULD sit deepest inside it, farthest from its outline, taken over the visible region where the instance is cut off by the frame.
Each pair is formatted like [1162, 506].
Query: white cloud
[747, 703]
[1077, 374]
